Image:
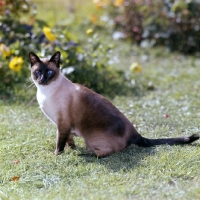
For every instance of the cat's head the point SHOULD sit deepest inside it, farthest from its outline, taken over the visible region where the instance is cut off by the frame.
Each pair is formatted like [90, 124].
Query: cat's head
[44, 71]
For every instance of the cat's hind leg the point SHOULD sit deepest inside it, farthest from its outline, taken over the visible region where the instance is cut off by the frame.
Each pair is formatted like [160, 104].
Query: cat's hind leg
[105, 144]
[70, 142]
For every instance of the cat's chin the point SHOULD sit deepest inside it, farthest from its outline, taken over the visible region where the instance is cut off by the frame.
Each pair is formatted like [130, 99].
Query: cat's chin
[43, 84]
[38, 84]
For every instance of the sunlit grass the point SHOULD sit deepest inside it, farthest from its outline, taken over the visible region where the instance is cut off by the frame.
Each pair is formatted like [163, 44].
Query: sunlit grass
[136, 172]
[167, 105]
[64, 12]
[171, 109]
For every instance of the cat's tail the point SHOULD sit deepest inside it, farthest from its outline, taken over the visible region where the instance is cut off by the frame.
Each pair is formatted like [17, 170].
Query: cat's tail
[145, 142]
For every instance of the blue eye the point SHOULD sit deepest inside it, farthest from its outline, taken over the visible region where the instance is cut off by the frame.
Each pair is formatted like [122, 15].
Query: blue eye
[37, 72]
[50, 72]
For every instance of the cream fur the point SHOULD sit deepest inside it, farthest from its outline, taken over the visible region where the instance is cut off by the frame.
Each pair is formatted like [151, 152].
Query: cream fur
[48, 97]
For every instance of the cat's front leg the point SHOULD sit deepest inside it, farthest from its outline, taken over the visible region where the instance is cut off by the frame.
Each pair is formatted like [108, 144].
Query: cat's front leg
[63, 137]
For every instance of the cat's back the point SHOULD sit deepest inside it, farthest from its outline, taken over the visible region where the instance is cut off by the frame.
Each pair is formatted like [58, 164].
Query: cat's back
[95, 105]
[91, 98]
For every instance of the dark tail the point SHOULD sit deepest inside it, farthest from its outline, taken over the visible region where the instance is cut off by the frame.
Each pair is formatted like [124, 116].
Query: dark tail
[145, 142]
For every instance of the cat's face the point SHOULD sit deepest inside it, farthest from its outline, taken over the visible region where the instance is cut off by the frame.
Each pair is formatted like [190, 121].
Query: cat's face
[44, 71]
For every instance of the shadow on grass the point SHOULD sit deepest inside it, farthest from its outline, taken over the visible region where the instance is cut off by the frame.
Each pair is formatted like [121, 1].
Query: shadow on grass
[195, 144]
[126, 160]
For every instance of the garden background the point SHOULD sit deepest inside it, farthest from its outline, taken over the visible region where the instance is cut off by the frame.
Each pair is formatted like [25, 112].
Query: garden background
[142, 55]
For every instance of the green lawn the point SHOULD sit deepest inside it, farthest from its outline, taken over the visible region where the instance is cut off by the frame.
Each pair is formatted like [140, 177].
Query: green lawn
[62, 11]
[164, 172]
[165, 104]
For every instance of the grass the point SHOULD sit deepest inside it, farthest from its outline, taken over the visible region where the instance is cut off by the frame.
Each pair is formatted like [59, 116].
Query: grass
[61, 11]
[135, 173]
[163, 172]
[170, 108]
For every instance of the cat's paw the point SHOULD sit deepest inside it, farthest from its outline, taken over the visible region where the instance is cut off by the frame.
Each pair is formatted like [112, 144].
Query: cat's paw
[70, 146]
[56, 152]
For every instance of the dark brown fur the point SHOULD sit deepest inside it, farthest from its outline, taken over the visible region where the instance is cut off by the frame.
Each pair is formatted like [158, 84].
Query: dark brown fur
[76, 110]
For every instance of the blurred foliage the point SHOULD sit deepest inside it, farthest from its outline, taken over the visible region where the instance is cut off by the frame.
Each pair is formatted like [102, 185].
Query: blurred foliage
[15, 40]
[89, 61]
[93, 69]
[173, 23]
[21, 32]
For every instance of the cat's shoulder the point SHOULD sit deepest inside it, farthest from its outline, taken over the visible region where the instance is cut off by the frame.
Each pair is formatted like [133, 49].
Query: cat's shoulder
[83, 89]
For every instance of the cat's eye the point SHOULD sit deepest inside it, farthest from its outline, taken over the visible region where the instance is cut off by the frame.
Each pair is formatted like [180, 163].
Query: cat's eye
[37, 72]
[50, 72]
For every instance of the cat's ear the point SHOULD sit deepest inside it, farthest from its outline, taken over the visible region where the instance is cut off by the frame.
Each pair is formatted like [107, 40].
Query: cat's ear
[33, 58]
[56, 59]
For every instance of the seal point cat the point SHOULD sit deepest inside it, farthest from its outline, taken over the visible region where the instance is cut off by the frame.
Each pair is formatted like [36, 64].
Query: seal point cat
[77, 110]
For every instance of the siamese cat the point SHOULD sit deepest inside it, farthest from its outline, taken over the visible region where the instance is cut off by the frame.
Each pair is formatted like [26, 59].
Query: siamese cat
[77, 110]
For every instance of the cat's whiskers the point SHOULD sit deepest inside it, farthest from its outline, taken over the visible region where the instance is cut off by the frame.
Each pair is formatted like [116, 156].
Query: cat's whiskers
[32, 85]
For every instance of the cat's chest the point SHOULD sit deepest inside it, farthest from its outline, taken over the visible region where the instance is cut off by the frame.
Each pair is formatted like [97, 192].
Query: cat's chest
[47, 106]
[41, 98]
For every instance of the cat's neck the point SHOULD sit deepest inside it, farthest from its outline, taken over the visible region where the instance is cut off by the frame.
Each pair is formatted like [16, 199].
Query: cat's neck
[55, 86]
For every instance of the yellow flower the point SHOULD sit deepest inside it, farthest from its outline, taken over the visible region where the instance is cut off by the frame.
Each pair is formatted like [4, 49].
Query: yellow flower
[135, 67]
[89, 31]
[16, 63]
[4, 50]
[118, 3]
[48, 34]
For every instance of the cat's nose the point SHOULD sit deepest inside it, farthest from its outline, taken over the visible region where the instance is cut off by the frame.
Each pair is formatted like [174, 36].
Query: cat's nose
[42, 80]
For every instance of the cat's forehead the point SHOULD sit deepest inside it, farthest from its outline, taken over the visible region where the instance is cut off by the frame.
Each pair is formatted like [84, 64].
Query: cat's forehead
[44, 60]
[45, 63]
[40, 65]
